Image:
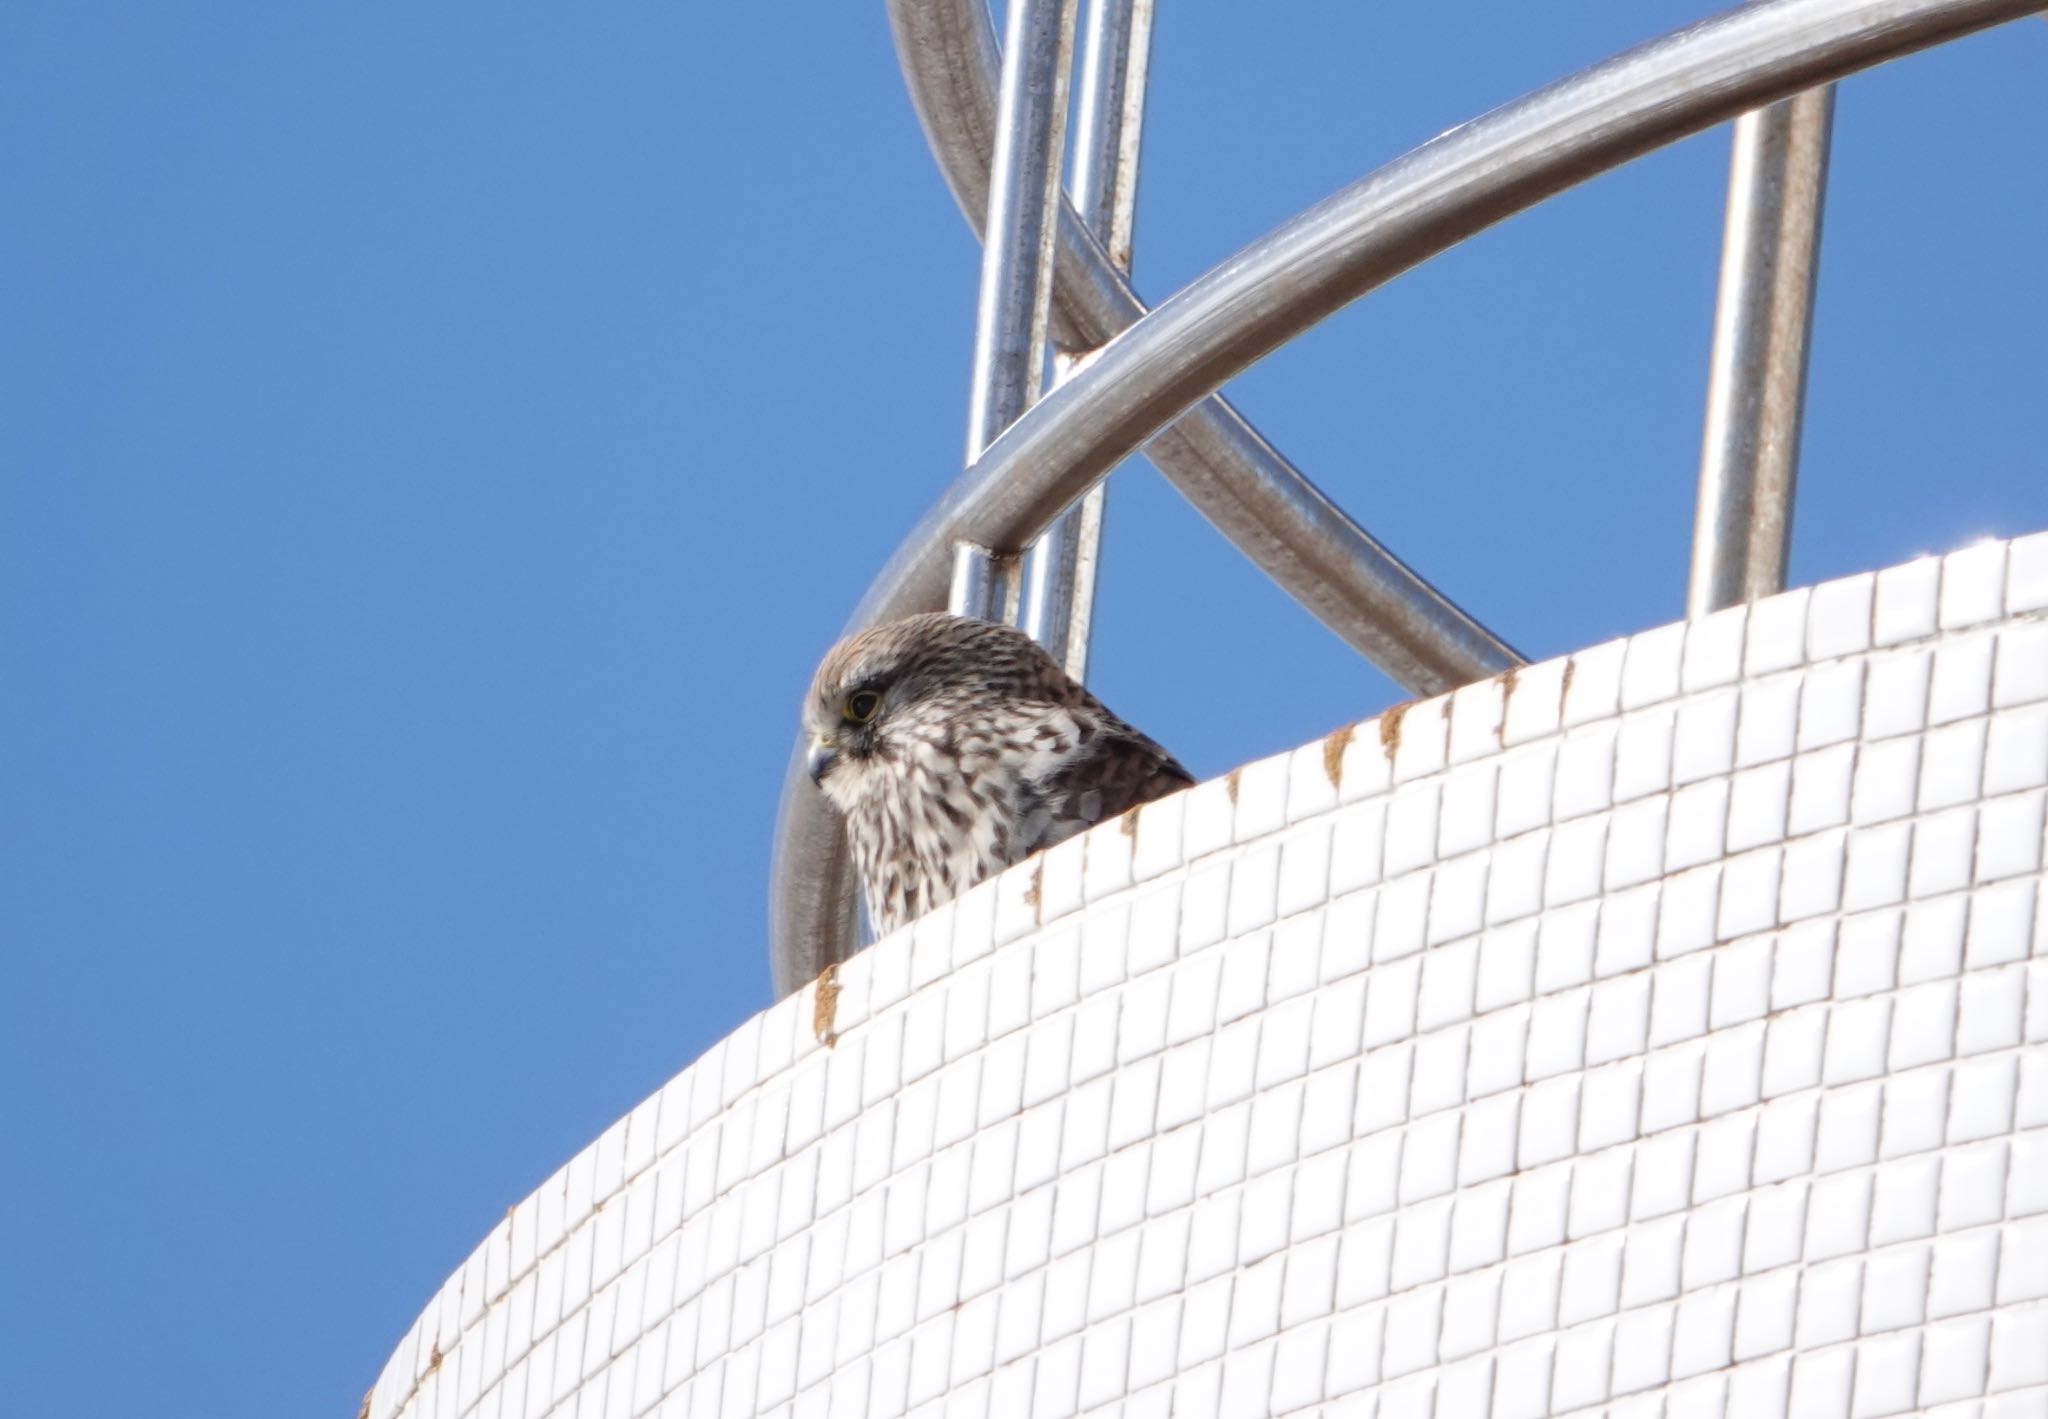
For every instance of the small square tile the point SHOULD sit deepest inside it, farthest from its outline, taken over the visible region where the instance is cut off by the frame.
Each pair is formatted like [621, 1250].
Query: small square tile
[1635, 843]
[1943, 847]
[2016, 750]
[1915, 1113]
[1777, 633]
[1477, 711]
[1875, 874]
[1697, 826]
[1592, 683]
[1849, 1122]
[1749, 892]
[1895, 695]
[1534, 696]
[1564, 947]
[1812, 876]
[1713, 649]
[1642, 755]
[1515, 878]
[1628, 931]
[1758, 800]
[1858, 1034]
[1907, 601]
[1732, 1076]
[1703, 741]
[1961, 683]
[1206, 819]
[1830, 704]
[1804, 963]
[1156, 832]
[1887, 1376]
[1421, 745]
[2001, 923]
[1107, 857]
[1585, 772]
[1311, 781]
[1821, 786]
[1357, 841]
[1590, 1283]
[1573, 869]
[1522, 798]
[1650, 666]
[1902, 1206]
[2019, 1349]
[1261, 797]
[1953, 1359]
[1838, 617]
[1672, 1086]
[1364, 765]
[1973, 585]
[1401, 925]
[1768, 721]
[1617, 1021]
[2021, 674]
[2026, 576]
[1304, 869]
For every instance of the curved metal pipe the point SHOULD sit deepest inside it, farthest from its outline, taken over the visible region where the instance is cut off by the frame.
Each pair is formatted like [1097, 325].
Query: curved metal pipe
[1218, 461]
[1420, 204]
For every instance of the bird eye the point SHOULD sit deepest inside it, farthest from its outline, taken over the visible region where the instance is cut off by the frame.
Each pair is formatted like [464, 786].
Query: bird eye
[862, 706]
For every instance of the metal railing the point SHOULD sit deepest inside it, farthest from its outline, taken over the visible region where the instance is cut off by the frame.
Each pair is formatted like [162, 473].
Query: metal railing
[995, 122]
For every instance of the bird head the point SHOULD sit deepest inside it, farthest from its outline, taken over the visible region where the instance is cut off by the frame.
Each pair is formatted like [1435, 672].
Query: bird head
[882, 692]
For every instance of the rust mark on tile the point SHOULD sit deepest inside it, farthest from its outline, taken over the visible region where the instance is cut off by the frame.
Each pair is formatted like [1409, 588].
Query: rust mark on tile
[1128, 824]
[1334, 745]
[1390, 728]
[1508, 679]
[1571, 664]
[1032, 888]
[825, 1009]
[434, 1358]
[1230, 785]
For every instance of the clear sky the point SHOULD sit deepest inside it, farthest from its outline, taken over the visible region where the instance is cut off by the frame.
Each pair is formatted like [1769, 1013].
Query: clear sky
[437, 442]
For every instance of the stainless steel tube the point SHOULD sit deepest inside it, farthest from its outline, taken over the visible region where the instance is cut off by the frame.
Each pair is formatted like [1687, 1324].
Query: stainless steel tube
[1756, 382]
[1418, 205]
[1014, 310]
[1237, 480]
[1109, 116]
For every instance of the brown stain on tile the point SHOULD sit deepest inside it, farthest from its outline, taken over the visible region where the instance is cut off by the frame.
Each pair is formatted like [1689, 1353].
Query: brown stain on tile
[1390, 728]
[1230, 785]
[1128, 824]
[1565, 688]
[825, 1009]
[1334, 745]
[1508, 680]
[1032, 888]
[434, 1358]
[368, 1395]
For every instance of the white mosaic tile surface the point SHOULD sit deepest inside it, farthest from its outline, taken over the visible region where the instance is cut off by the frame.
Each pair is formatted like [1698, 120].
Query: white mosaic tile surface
[1663, 1032]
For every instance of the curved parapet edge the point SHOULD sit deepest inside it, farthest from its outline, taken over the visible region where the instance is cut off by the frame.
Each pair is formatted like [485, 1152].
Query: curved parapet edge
[1663, 1026]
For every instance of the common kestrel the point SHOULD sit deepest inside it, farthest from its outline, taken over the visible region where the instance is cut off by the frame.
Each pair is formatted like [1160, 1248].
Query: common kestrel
[955, 747]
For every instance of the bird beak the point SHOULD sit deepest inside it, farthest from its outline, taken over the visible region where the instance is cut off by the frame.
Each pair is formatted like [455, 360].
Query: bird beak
[823, 754]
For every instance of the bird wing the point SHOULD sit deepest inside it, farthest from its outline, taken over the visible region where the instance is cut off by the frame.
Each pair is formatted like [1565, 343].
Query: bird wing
[1115, 771]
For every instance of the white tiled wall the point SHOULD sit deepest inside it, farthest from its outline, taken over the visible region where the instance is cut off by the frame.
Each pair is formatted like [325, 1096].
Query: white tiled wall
[1660, 1031]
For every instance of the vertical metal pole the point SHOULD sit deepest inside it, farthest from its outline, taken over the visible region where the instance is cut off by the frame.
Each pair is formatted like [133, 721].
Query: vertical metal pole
[1756, 382]
[1016, 264]
[1109, 120]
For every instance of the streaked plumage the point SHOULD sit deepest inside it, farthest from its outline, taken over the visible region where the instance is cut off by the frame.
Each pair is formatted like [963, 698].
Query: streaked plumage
[955, 747]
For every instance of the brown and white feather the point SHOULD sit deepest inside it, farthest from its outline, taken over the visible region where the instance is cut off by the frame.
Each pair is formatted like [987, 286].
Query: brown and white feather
[983, 752]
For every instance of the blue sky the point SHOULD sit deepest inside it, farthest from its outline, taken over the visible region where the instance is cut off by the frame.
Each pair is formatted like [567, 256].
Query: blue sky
[440, 440]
